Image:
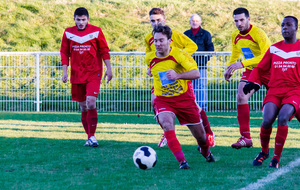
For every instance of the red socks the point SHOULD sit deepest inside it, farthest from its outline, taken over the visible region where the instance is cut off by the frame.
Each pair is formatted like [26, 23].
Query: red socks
[205, 147]
[265, 138]
[205, 122]
[84, 122]
[280, 138]
[92, 120]
[243, 116]
[174, 145]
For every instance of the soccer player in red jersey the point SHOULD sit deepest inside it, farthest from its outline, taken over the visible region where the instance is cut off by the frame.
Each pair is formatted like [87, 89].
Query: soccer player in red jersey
[282, 60]
[85, 46]
[179, 40]
[252, 42]
[172, 69]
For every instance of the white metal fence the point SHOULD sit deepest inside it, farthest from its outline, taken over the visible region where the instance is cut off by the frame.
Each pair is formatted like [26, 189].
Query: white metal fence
[31, 81]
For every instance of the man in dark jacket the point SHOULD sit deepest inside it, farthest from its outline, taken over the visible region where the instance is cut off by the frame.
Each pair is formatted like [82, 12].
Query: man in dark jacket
[203, 40]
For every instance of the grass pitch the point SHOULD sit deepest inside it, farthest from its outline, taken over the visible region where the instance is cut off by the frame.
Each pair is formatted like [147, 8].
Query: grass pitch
[45, 151]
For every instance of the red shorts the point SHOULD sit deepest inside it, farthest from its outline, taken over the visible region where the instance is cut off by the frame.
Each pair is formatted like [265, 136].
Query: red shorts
[81, 91]
[264, 79]
[183, 106]
[190, 88]
[291, 97]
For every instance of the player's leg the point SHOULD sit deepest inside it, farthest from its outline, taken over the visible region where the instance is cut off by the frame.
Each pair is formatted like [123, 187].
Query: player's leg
[202, 102]
[189, 114]
[92, 115]
[202, 112]
[208, 131]
[92, 90]
[78, 92]
[163, 141]
[83, 109]
[284, 115]
[202, 139]
[243, 116]
[270, 112]
[167, 121]
[92, 120]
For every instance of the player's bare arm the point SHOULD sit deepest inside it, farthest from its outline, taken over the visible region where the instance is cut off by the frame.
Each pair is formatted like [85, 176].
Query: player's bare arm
[149, 72]
[231, 68]
[65, 74]
[108, 74]
[190, 75]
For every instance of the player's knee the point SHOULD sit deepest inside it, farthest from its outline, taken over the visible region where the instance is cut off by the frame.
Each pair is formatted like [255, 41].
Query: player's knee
[83, 107]
[241, 97]
[283, 119]
[267, 123]
[166, 125]
[91, 103]
[91, 106]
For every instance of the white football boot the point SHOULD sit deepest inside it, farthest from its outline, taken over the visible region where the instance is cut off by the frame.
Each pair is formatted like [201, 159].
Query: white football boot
[163, 142]
[86, 143]
[93, 142]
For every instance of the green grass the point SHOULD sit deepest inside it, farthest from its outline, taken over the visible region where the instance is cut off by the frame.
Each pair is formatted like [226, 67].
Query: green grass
[45, 151]
[38, 25]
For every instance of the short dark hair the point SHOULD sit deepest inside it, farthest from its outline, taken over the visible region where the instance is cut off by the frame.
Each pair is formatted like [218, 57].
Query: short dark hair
[294, 18]
[81, 11]
[157, 11]
[241, 10]
[166, 30]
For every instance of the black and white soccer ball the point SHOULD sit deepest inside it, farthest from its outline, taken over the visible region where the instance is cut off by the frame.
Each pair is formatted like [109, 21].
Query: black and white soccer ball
[144, 157]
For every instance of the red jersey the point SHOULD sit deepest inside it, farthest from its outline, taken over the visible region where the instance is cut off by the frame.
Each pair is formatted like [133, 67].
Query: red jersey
[86, 48]
[283, 62]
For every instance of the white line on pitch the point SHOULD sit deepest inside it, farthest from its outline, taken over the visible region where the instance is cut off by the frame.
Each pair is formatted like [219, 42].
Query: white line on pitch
[273, 176]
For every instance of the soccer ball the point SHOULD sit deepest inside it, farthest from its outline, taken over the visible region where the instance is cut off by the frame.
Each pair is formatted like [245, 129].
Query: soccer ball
[144, 157]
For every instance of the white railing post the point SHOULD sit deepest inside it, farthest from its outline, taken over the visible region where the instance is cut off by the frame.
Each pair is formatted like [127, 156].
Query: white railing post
[37, 82]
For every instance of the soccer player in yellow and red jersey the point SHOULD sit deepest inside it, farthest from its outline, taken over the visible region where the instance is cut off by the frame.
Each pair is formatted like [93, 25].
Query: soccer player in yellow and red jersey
[252, 43]
[157, 16]
[172, 69]
[179, 40]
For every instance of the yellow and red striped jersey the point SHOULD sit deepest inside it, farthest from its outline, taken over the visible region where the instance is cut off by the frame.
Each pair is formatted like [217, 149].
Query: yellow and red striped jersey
[252, 45]
[178, 60]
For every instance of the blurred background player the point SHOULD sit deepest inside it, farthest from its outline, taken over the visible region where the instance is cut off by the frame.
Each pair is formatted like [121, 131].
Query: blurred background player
[157, 17]
[283, 97]
[86, 47]
[252, 43]
[204, 43]
[172, 69]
